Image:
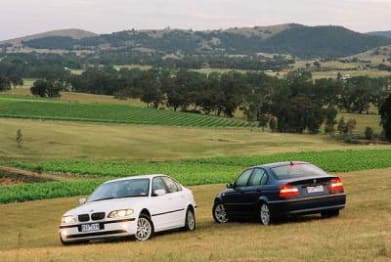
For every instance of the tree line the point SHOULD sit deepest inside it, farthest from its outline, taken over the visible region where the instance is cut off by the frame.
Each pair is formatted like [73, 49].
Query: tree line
[295, 103]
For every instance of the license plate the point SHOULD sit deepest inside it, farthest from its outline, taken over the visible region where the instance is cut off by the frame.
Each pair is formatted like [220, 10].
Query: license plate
[90, 227]
[314, 189]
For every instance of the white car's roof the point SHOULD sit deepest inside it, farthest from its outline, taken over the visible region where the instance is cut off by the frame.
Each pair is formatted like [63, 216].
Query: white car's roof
[135, 177]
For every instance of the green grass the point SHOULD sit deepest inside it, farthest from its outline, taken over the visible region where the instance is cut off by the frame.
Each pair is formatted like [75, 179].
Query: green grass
[27, 192]
[111, 113]
[190, 172]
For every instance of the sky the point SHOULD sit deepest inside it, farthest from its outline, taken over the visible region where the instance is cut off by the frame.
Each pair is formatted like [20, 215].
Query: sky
[24, 17]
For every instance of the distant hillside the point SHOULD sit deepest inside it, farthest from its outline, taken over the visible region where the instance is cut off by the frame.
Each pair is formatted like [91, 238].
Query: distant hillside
[381, 33]
[329, 41]
[297, 40]
[72, 33]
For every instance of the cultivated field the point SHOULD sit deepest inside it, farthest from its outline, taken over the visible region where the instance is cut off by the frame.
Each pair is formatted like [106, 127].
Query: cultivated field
[361, 233]
[84, 176]
[34, 108]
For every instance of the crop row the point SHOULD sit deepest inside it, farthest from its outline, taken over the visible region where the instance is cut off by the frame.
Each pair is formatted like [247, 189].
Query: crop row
[115, 113]
[189, 172]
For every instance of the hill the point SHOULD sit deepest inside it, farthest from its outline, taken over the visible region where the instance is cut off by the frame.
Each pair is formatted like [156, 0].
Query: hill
[72, 33]
[381, 33]
[297, 40]
[326, 41]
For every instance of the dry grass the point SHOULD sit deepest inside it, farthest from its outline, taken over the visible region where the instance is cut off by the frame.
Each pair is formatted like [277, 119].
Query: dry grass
[351, 73]
[363, 120]
[361, 233]
[55, 140]
[76, 97]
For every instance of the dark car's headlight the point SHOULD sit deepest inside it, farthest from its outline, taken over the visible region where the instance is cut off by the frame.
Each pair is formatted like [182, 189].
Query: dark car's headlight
[120, 213]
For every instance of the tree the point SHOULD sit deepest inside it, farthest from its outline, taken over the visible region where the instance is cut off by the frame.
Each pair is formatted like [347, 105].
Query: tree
[385, 113]
[19, 137]
[7, 81]
[330, 115]
[369, 133]
[39, 88]
[342, 127]
[46, 88]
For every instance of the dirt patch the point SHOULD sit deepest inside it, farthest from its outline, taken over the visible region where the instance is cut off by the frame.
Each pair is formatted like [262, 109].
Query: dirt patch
[7, 179]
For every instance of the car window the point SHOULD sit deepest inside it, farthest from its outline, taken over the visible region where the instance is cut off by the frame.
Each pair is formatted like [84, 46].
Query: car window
[257, 177]
[171, 185]
[297, 170]
[158, 183]
[243, 178]
[264, 179]
[121, 189]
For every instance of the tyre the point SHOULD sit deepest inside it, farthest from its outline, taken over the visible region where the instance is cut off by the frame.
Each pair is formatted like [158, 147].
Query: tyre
[265, 215]
[144, 228]
[219, 214]
[190, 222]
[330, 213]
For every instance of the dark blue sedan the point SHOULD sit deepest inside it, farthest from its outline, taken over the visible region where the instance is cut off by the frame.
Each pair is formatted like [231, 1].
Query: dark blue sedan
[277, 190]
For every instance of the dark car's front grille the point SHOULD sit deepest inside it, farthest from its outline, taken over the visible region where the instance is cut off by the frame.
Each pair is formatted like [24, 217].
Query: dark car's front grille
[98, 216]
[84, 218]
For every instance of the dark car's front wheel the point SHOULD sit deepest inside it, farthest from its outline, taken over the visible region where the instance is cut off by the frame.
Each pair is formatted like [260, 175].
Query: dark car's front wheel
[265, 215]
[219, 213]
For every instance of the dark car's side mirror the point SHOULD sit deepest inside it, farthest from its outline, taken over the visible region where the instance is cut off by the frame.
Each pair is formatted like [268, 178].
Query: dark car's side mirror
[230, 185]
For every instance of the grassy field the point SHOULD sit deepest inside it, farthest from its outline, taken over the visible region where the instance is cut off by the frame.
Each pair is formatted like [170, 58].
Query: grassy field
[56, 140]
[363, 120]
[75, 97]
[112, 113]
[361, 233]
[189, 172]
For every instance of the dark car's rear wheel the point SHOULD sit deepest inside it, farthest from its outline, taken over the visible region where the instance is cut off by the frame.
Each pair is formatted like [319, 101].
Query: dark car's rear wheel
[330, 213]
[265, 215]
[144, 228]
[219, 213]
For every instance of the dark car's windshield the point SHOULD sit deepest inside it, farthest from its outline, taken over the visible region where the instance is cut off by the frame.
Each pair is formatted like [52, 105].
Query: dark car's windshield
[297, 170]
[121, 189]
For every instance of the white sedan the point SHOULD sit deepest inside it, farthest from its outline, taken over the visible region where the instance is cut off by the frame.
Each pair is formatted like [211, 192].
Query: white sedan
[134, 206]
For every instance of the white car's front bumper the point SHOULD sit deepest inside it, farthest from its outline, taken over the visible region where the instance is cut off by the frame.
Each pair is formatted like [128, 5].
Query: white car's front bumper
[108, 229]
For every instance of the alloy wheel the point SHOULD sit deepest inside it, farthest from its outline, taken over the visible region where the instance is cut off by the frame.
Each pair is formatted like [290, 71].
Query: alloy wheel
[144, 229]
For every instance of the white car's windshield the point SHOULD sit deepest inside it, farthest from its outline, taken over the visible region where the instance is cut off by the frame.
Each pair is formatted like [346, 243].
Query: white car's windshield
[121, 189]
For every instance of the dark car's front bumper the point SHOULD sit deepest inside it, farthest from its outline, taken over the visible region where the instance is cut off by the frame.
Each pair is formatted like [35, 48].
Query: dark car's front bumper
[307, 205]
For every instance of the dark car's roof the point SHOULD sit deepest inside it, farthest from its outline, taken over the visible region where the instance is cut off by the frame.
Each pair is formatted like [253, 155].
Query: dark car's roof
[276, 164]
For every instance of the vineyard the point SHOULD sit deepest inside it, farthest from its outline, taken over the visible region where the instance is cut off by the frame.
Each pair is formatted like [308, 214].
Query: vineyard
[188, 172]
[111, 113]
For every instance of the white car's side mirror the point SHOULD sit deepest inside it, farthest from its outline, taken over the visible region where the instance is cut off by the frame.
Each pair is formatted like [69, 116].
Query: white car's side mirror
[82, 201]
[159, 192]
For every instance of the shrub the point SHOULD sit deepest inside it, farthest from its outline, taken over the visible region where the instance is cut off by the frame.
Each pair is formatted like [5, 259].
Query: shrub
[369, 134]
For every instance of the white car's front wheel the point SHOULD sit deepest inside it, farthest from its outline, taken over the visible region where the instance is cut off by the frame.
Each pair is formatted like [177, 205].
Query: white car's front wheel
[144, 228]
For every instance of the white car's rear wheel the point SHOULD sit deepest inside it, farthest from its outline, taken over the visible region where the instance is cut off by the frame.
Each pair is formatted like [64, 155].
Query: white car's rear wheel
[144, 228]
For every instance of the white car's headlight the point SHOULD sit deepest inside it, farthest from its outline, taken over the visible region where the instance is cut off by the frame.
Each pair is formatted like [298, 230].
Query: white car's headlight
[120, 213]
[68, 219]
